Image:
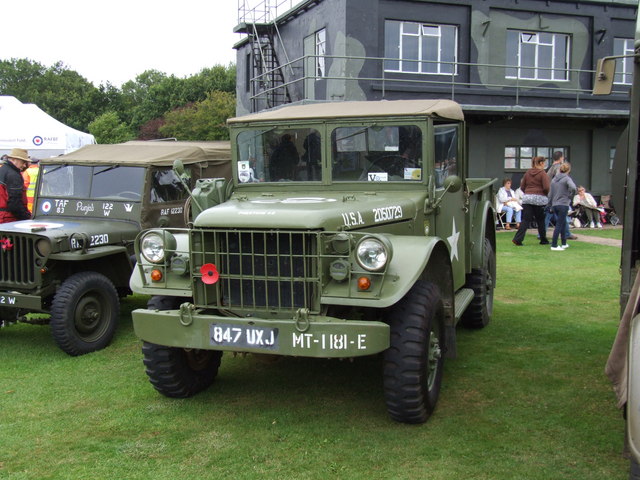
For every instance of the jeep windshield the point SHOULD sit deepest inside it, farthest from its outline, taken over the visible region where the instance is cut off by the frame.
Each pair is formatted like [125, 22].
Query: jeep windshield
[358, 154]
[95, 182]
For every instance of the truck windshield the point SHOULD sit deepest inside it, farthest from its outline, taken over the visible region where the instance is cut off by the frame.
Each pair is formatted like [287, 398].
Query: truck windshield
[279, 155]
[377, 153]
[82, 181]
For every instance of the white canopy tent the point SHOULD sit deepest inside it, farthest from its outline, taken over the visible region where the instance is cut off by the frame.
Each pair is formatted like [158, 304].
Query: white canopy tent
[24, 125]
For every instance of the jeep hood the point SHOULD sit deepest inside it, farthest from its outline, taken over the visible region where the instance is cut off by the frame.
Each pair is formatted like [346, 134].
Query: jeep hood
[313, 210]
[60, 230]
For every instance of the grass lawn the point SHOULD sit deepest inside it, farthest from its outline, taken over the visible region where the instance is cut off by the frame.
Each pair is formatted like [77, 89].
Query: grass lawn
[607, 232]
[525, 399]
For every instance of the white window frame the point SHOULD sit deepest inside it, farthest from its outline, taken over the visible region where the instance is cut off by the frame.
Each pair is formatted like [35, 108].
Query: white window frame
[541, 72]
[426, 30]
[518, 157]
[624, 66]
[320, 52]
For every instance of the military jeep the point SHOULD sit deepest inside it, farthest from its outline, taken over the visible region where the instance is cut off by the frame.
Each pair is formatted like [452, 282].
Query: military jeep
[348, 229]
[71, 262]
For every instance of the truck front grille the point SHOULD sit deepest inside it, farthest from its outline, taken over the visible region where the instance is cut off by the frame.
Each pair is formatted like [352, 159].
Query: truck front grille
[258, 270]
[17, 261]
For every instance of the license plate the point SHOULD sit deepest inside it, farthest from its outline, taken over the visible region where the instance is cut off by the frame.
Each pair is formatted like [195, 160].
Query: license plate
[243, 336]
[7, 300]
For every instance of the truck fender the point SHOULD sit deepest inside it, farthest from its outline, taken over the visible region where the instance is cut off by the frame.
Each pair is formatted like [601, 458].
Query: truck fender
[416, 258]
[483, 225]
[112, 261]
[140, 281]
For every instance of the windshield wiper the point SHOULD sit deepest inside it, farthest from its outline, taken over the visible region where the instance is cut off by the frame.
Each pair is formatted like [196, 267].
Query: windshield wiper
[55, 169]
[106, 169]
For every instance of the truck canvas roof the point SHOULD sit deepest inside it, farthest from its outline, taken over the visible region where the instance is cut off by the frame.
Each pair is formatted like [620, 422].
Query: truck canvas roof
[139, 153]
[446, 109]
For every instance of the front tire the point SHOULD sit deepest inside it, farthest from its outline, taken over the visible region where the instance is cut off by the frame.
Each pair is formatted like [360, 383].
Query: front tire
[413, 363]
[180, 373]
[84, 313]
[482, 281]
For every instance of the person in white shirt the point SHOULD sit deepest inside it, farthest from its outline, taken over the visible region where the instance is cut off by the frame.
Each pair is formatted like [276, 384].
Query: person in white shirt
[588, 205]
[508, 202]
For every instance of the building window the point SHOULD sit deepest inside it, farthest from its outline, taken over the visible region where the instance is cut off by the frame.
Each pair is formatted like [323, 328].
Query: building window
[320, 52]
[624, 66]
[537, 55]
[420, 48]
[519, 158]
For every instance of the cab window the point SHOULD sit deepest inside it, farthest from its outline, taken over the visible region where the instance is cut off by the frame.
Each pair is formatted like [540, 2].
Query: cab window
[377, 153]
[166, 186]
[279, 155]
[446, 153]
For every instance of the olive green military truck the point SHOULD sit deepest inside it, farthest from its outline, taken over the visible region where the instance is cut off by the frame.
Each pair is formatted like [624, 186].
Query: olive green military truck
[348, 229]
[623, 364]
[71, 262]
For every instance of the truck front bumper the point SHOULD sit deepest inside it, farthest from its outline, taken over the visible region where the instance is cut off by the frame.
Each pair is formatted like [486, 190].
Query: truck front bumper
[20, 300]
[303, 336]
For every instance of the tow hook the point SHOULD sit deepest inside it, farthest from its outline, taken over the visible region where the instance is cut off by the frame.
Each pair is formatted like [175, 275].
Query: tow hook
[301, 319]
[186, 313]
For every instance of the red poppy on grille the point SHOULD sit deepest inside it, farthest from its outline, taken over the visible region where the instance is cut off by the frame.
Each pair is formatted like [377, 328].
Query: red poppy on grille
[209, 273]
[6, 244]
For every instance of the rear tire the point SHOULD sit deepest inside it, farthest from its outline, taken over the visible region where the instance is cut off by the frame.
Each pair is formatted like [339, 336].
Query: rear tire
[84, 313]
[413, 363]
[180, 373]
[482, 282]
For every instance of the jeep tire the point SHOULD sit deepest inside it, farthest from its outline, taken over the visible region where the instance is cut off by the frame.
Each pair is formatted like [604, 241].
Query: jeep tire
[84, 313]
[482, 281]
[178, 372]
[413, 363]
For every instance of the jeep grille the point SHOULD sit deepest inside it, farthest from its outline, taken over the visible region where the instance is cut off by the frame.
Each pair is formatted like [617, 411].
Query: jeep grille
[259, 270]
[17, 261]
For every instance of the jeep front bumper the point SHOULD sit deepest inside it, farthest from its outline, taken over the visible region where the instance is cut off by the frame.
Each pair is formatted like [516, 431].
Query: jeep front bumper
[304, 336]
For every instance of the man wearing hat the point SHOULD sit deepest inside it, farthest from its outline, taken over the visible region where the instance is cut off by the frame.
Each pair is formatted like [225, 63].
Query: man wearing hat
[13, 195]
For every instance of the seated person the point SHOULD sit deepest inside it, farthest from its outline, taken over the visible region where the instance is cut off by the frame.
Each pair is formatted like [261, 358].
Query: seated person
[284, 159]
[508, 202]
[587, 204]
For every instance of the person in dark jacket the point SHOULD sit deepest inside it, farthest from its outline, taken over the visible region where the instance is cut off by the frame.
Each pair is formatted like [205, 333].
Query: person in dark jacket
[13, 195]
[560, 195]
[535, 186]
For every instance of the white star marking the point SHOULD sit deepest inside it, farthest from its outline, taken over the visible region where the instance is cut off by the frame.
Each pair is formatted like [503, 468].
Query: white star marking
[453, 241]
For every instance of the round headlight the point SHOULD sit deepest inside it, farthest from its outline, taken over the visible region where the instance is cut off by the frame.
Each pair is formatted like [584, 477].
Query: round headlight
[372, 254]
[43, 247]
[155, 245]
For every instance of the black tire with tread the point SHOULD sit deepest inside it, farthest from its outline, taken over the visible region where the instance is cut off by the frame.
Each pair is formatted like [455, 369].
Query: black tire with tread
[179, 373]
[413, 364]
[482, 282]
[84, 313]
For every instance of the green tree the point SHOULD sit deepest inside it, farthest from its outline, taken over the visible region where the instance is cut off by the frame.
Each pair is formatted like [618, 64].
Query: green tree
[205, 120]
[62, 93]
[108, 128]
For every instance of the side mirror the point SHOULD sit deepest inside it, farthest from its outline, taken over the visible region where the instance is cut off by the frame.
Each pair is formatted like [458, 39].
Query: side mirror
[452, 183]
[178, 167]
[605, 72]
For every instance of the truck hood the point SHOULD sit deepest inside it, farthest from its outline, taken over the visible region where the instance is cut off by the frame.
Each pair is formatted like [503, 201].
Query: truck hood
[60, 230]
[314, 210]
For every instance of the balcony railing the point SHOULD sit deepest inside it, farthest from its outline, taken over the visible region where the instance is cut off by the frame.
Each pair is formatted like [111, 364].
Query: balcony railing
[476, 79]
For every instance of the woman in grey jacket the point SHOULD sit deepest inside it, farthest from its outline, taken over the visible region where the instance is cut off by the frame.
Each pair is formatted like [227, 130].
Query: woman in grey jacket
[560, 195]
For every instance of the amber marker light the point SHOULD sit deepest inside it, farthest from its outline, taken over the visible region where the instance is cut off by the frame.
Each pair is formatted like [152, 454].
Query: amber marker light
[364, 283]
[156, 275]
